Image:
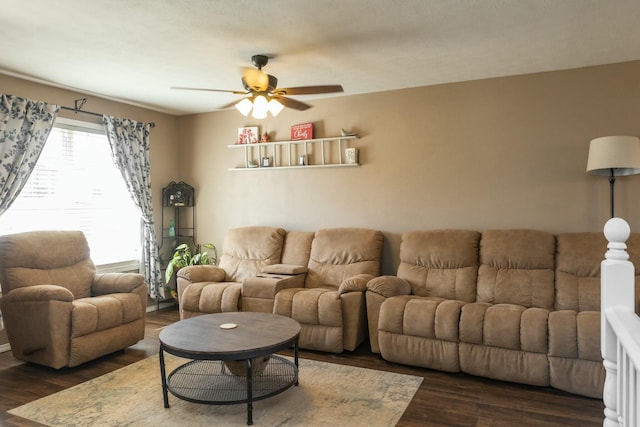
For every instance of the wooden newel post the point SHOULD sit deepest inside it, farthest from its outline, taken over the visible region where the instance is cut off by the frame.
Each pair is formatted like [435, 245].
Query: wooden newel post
[616, 290]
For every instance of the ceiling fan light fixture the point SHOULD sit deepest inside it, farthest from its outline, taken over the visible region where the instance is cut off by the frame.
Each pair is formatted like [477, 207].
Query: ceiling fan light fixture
[260, 107]
[244, 106]
[262, 94]
[275, 107]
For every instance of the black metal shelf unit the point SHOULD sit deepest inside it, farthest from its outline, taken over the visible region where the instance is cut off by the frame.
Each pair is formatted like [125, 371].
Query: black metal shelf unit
[178, 215]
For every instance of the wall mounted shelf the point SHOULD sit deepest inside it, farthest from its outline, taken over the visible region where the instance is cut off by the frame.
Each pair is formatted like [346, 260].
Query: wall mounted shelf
[318, 153]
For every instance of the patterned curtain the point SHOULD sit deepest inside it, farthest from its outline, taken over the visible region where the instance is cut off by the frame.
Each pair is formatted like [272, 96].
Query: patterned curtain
[129, 141]
[24, 128]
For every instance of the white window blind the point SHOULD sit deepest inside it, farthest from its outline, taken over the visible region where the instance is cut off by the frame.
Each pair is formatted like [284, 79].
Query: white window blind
[76, 186]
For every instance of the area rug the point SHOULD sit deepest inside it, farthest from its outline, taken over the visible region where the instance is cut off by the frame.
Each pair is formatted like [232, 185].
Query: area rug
[328, 395]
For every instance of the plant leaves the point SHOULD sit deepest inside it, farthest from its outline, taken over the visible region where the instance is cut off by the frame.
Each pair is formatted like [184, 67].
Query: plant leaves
[168, 273]
[196, 259]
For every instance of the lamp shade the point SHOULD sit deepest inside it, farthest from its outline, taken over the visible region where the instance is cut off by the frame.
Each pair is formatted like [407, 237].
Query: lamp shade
[244, 106]
[614, 155]
[260, 107]
[275, 107]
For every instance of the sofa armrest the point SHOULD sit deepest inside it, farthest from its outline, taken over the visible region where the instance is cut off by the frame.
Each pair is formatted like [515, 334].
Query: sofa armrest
[114, 283]
[284, 269]
[267, 285]
[202, 273]
[357, 283]
[38, 293]
[389, 286]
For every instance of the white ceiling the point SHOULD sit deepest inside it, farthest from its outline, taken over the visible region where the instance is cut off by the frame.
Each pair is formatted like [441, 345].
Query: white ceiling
[134, 50]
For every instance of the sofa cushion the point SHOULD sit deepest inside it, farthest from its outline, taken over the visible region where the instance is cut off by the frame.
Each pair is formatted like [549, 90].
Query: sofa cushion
[578, 269]
[319, 311]
[428, 317]
[297, 247]
[517, 267]
[246, 250]
[95, 314]
[440, 263]
[420, 331]
[575, 335]
[506, 326]
[65, 262]
[339, 253]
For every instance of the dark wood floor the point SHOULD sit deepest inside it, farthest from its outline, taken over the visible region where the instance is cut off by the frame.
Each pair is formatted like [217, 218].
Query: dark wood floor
[443, 399]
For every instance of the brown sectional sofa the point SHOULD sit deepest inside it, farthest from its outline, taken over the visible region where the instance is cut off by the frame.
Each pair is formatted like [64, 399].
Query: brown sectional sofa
[317, 278]
[514, 305]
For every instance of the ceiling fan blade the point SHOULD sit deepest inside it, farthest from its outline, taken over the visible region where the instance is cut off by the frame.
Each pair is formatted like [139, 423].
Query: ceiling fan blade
[231, 104]
[236, 92]
[292, 103]
[309, 90]
[255, 79]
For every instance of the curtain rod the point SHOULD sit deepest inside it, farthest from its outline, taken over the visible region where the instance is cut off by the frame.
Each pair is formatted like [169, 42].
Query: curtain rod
[77, 109]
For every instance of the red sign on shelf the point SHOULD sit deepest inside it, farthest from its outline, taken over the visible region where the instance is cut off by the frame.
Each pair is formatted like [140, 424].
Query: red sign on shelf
[302, 131]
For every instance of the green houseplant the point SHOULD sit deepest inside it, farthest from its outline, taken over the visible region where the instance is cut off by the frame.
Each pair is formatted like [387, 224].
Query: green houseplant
[182, 257]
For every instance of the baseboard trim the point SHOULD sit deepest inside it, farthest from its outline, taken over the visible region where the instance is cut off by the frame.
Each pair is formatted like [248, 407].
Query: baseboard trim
[4, 347]
[156, 307]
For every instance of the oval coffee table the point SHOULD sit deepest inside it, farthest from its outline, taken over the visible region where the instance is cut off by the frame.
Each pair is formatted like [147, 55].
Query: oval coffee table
[211, 342]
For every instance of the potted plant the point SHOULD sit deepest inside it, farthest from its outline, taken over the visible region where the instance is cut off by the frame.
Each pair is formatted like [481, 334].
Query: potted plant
[182, 257]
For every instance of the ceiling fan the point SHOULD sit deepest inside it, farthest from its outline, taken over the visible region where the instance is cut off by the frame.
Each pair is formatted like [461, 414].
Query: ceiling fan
[263, 94]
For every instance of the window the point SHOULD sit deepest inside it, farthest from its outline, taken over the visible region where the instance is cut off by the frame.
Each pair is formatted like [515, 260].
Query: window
[76, 186]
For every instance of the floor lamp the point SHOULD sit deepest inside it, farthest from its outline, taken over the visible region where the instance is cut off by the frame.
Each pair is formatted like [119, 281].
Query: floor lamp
[614, 156]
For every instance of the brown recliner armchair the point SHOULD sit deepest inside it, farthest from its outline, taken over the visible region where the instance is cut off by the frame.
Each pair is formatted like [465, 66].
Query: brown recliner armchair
[57, 310]
[331, 306]
[205, 289]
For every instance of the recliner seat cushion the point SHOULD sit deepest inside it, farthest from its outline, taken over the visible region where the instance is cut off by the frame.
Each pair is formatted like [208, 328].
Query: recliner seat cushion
[421, 331]
[319, 310]
[94, 314]
[205, 297]
[507, 326]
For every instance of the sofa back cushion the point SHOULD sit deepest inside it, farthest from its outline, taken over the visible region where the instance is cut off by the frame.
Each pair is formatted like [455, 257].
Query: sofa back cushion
[578, 271]
[46, 258]
[578, 261]
[517, 267]
[297, 247]
[246, 250]
[339, 253]
[441, 263]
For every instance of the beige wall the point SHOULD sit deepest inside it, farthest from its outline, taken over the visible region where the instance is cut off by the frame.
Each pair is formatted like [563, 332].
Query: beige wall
[497, 153]
[163, 138]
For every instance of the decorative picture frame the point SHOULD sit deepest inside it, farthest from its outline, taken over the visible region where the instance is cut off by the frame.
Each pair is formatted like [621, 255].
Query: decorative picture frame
[248, 135]
[302, 132]
[351, 155]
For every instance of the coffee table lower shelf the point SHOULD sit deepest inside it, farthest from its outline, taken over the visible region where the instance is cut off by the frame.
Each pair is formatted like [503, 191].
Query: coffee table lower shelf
[210, 381]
